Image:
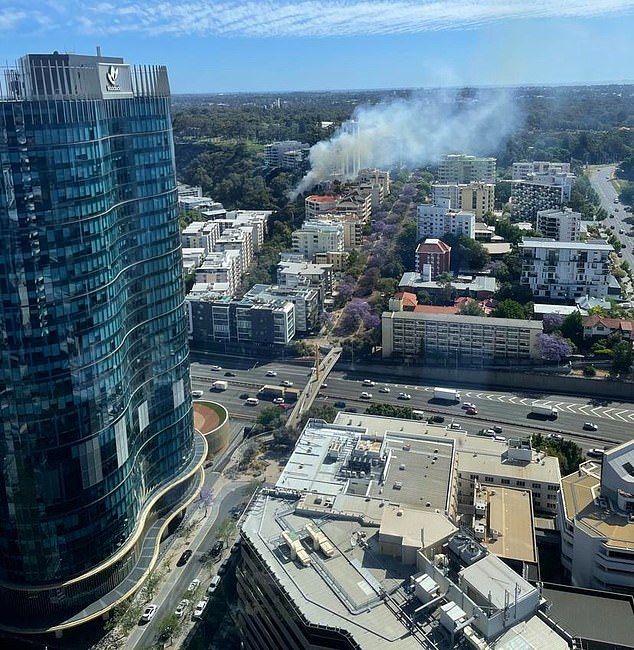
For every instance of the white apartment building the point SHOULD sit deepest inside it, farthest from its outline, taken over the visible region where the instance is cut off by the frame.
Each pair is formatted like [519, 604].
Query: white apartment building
[466, 339]
[200, 234]
[434, 221]
[376, 177]
[258, 219]
[183, 190]
[221, 266]
[318, 236]
[565, 270]
[315, 205]
[199, 204]
[461, 168]
[307, 301]
[297, 274]
[478, 198]
[560, 225]
[522, 171]
[596, 520]
[237, 239]
[275, 151]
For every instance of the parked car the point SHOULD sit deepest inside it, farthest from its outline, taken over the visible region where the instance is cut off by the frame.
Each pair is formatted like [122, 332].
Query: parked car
[216, 549]
[181, 607]
[437, 418]
[404, 396]
[197, 393]
[215, 368]
[185, 555]
[365, 395]
[489, 433]
[271, 373]
[200, 608]
[278, 400]
[472, 410]
[193, 585]
[595, 453]
[286, 383]
[590, 426]
[340, 404]
[148, 613]
[454, 425]
[350, 409]
[215, 581]
[384, 389]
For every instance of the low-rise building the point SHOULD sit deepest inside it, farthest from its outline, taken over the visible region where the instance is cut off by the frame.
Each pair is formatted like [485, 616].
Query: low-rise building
[335, 259]
[596, 326]
[217, 319]
[435, 221]
[318, 236]
[596, 520]
[565, 270]
[478, 198]
[477, 286]
[462, 168]
[307, 301]
[432, 258]
[316, 205]
[294, 274]
[560, 225]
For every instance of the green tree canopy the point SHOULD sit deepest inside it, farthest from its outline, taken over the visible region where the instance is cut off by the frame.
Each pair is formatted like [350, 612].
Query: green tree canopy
[512, 309]
[572, 328]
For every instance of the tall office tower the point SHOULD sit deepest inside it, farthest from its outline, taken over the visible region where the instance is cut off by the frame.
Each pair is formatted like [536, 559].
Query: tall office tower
[98, 455]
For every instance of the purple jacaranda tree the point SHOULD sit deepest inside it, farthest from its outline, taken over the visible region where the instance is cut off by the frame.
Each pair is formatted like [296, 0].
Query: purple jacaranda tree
[552, 322]
[553, 347]
[355, 313]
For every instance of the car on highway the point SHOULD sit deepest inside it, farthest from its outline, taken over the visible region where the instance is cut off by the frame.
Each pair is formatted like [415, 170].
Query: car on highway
[271, 373]
[193, 585]
[181, 607]
[365, 395]
[384, 389]
[472, 410]
[215, 368]
[590, 426]
[497, 428]
[200, 608]
[230, 374]
[148, 614]
[197, 393]
[404, 396]
[244, 395]
[286, 383]
[340, 404]
[324, 385]
[368, 382]
[555, 436]
[278, 400]
[185, 555]
[595, 453]
[468, 405]
[437, 419]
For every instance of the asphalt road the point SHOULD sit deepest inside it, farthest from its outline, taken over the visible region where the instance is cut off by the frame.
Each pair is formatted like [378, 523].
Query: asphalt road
[601, 182]
[173, 589]
[510, 409]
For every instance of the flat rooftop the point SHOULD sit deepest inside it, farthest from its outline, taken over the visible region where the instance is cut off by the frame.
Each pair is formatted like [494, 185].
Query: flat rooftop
[579, 493]
[511, 516]
[593, 615]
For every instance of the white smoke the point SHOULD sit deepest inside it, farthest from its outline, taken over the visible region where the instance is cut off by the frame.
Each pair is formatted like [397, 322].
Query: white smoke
[412, 132]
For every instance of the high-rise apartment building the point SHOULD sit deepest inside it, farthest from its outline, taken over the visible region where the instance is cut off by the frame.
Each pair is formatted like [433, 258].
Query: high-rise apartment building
[478, 198]
[99, 455]
[461, 168]
[435, 221]
[560, 225]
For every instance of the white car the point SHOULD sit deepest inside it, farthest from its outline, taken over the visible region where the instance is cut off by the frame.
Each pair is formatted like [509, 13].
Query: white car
[200, 608]
[193, 585]
[468, 405]
[590, 426]
[404, 396]
[555, 436]
[197, 393]
[367, 382]
[365, 395]
[271, 373]
[181, 607]
[384, 389]
[287, 383]
[278, 400]
[216, 368]
[148, 613]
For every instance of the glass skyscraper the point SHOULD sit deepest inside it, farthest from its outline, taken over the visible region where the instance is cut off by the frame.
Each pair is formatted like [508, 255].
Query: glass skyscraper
[98, 454]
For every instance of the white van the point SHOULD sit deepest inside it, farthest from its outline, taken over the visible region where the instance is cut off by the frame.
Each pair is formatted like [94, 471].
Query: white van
[252, 401]
[197, 393]
[215, 581]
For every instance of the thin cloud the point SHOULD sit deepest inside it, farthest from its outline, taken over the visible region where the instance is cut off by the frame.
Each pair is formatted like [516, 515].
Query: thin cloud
[305, 18]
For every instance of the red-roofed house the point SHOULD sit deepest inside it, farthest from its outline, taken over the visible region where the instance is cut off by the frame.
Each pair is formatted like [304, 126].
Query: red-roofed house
[600, 326]
[316, 205]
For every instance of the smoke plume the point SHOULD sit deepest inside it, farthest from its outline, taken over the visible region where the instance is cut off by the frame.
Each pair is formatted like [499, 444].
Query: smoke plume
[413, 132]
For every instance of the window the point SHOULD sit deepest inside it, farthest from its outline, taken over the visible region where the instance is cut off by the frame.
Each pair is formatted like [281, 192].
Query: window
[536, 486]
[506, 481]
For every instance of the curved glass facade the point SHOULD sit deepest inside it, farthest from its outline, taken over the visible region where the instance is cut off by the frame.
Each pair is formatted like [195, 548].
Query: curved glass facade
[94, 377]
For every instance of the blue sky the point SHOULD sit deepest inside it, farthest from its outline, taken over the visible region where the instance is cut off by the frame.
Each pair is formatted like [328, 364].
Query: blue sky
[283, 45]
